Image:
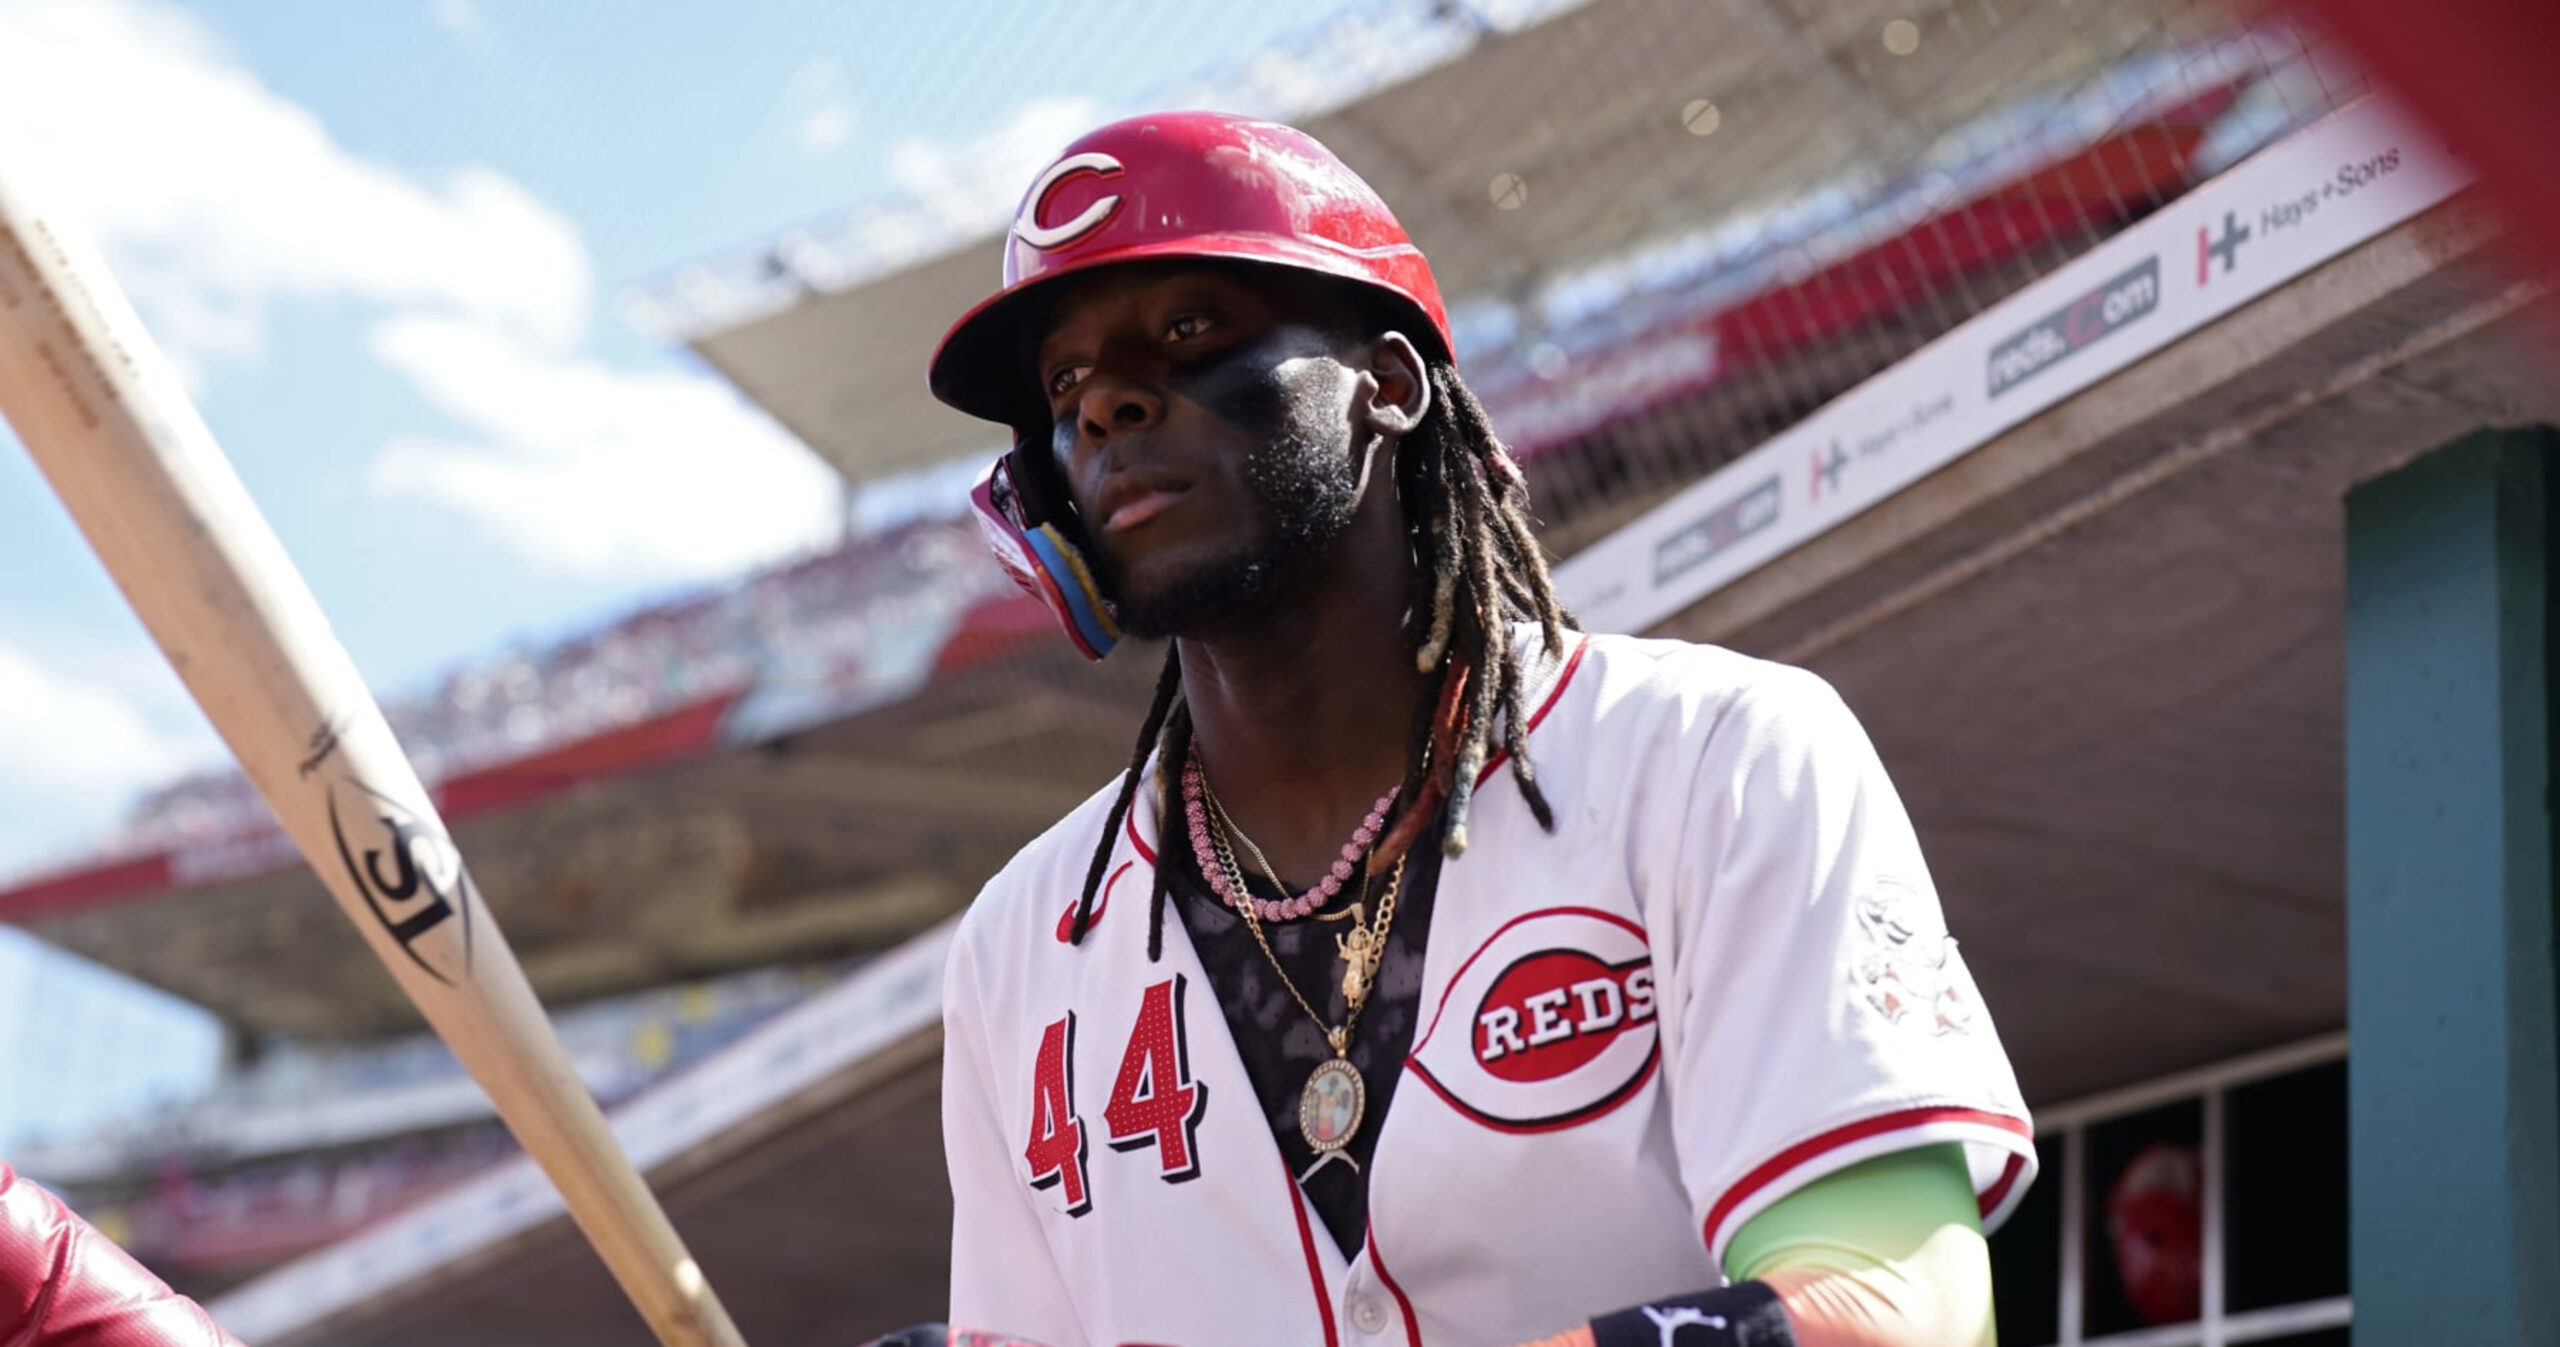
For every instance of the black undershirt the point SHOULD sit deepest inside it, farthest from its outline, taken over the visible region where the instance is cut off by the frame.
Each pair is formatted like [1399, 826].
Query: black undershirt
[1281, 1045]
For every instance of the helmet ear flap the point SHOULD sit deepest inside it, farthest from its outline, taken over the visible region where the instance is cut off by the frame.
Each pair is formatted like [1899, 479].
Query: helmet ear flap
[1028, 521]
[1043, 487]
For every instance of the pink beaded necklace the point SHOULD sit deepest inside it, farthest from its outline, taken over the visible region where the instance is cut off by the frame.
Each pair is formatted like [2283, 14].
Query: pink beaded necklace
[1231, 888]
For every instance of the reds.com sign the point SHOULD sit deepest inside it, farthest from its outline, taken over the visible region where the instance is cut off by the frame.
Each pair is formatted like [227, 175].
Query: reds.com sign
[2097, 314]
[1548, 1024]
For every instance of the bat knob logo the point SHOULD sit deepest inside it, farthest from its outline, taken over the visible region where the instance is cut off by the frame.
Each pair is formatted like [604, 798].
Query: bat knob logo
[410, 875]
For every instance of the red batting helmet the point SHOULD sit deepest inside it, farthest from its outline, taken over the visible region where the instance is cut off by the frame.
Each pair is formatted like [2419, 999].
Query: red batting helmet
[1177, 185]
[1172, 185]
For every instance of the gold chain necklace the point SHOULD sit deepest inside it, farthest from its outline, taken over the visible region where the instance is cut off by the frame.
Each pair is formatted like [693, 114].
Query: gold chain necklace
[1218, 812]
[1333, 1101]
[1362, 949]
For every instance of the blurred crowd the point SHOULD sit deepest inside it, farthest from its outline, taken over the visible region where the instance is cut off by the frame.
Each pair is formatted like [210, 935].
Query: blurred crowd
[827, 618]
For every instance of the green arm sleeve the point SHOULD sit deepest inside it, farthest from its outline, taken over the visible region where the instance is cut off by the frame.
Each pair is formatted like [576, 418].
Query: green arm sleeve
[1905, 1224]
[1882, 1210]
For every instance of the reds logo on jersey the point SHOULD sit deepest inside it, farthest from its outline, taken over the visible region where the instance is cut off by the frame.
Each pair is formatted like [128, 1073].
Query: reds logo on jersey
[1549, 1024]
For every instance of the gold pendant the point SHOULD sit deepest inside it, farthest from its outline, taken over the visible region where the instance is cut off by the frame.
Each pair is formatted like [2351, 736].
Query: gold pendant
[1329, 1112]
[1359, 951]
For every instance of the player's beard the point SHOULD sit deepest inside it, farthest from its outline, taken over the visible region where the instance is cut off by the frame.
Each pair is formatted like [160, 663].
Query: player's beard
[1307, 477]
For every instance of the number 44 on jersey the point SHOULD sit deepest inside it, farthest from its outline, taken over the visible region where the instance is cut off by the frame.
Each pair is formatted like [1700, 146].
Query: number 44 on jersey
[1154, 1101]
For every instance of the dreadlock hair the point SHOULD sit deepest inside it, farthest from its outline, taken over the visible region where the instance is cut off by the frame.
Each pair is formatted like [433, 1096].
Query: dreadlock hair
[1477, 568]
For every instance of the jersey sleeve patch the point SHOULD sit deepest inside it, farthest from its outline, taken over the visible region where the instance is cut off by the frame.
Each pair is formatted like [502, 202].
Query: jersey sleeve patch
[1907, 970]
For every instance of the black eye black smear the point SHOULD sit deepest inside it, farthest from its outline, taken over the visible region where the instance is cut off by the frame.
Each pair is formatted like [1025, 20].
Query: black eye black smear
[1302, 467]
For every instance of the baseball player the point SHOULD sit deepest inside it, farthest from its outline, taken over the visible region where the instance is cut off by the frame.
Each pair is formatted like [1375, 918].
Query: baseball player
[1436, 973]
[62, 1284]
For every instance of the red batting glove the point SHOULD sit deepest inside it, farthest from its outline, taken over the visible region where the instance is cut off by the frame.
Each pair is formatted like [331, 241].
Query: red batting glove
[62, 1284]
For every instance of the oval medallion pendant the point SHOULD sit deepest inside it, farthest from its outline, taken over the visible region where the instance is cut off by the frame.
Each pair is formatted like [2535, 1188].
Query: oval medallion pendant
[1329, 1111]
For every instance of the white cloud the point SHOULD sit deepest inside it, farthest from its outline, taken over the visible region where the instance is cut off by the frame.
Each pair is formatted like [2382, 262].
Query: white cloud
[462, 18]
[78, 746]
[586, 468]
[216, 197]
[816, 103]
[822, 131]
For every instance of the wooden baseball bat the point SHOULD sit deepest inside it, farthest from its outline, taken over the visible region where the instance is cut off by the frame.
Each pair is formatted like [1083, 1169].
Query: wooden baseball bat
[105, 418]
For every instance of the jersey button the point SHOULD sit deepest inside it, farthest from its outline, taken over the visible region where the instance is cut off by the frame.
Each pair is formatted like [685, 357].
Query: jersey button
[1368, 1315]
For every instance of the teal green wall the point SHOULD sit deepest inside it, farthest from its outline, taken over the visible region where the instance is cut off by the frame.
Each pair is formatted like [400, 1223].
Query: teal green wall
[2454, 1096]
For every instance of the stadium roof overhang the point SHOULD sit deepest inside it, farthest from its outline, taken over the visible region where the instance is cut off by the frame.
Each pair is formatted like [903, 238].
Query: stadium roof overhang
[733, 834]
[843, 368]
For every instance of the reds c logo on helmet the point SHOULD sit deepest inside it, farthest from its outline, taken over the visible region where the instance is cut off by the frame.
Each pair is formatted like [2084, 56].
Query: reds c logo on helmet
[1028, 226]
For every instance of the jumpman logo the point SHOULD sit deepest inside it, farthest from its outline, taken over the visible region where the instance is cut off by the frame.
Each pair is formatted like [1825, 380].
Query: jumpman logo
[1672, 1320]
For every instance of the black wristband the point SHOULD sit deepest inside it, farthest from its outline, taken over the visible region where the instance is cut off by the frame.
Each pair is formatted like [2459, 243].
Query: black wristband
[1745, 1314]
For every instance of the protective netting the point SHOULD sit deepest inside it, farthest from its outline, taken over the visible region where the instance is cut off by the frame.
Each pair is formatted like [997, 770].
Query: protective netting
[1717, 224]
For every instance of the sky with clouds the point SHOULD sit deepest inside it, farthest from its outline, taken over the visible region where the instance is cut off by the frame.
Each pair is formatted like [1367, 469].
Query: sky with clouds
[384, 245]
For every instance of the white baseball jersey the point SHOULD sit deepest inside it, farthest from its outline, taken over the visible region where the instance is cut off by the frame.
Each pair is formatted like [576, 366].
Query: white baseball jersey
[1724, 975]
